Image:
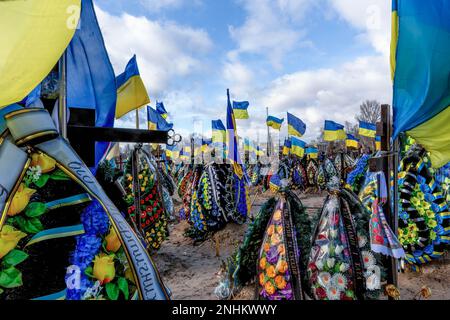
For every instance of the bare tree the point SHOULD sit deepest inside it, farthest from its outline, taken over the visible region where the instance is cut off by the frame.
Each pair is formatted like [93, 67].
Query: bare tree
[370, 111]
[351, 128]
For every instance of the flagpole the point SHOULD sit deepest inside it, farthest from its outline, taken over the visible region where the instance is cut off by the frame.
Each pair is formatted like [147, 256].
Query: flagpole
[62, 105]
[268, 133]
[137, 118]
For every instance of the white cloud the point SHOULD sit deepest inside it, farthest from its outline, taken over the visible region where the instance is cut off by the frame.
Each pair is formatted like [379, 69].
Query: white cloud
[165, 51]
[329, 93]
[268, 29]
[371, 17]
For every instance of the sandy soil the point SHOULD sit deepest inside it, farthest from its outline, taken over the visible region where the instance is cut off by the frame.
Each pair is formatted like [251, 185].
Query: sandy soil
[192, 272]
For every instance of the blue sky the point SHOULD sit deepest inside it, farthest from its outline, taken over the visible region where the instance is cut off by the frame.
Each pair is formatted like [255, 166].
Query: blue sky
[318, 59]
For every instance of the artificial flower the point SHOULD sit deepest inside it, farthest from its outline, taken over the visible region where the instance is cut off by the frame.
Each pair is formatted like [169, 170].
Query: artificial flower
[333, 293]
[324, 279]
[104, 270]
[270, 289]
[277, 215]
[362, 241]
[319, 265]
[320, 293]
[46, 163]
[262, 263]
[339, 281]
[368, 259]
[275, 239]
[281, 249]
[373, 282]
[280, 282]
[282, 266]
[271, 230]
[9, 238]
[20, 200]
[331, 262]
[112, 241]
[344, 267]
[338, 249]
[261, 279]
[270, 271]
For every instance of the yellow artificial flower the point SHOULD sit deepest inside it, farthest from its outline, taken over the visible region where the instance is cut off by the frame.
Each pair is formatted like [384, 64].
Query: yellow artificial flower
[270, 271]
[262, 263]
[280, 282]
[270, 289]
[42, 160]
[104, 270]
[9, 238]
[112, 241]
[20, 200]
[277, 215]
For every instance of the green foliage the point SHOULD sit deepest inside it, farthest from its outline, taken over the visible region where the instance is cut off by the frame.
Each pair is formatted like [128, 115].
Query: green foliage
[42, 181]
[112, 290]
[10, 278]
[14, 257]
[59, 175]
[35, 209]
[28, 225]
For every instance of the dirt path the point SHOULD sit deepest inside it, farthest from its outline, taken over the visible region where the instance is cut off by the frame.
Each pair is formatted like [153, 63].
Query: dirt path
[192, 272]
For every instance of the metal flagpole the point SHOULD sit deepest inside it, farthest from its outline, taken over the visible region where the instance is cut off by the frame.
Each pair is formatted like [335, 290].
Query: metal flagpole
[62, 105]
[268, 134]
[137, 118]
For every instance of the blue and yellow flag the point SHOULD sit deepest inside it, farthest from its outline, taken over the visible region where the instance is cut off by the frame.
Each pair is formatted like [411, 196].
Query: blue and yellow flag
[218, 132]
[161, 110]
[170, 151]
[312, 152]
[274, 122]
[33, 36]
[91, 82]
[352, 141]
[296, 127]
[298, 147]
[240, 109]
[367, 129]
[287, 147]
[420, 65]
[156, 122]
[131, 91]
[378, 143]
[232, 145]
[259, 151]
[333, 131]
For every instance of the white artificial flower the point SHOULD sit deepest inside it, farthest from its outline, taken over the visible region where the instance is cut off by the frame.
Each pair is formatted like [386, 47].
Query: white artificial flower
[339, 249]
[331, 262]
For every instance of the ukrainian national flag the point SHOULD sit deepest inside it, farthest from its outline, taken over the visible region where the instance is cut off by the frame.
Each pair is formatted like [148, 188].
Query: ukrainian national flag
[161, 110]
[259, 151]
[205, 144]
[240, 109]
[131, 91]
[247, 145]
[352, 141]
[274, 122]
[378, 143]
[333, 131]
[298, 147]
[156, 122]
[218, 132]
[170, 151]
[420, 65]
[296, 127]
[33, 35]
[232, 145]
[367, 129]
[287, 147]
[312, 152]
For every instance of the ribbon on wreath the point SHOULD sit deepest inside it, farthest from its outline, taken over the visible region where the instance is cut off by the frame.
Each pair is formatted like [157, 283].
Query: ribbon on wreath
[382, 239]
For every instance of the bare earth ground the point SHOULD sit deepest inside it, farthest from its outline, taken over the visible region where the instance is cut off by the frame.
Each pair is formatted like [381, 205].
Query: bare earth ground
[192, 272]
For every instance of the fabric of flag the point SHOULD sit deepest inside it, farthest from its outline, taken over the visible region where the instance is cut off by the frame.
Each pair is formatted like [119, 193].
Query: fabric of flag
[367, 129]
[232, 145]
[420, 64]
[131, 91]
[218, 132]
[240, 109]
[161, 110]
[274, 122]
[33, 36]
[91, 82]
[352, 141]
[378, 143]
[287, 147]
[247, 145]
[312, 152]
[156, 121]
[259, 151]
[298, 147]
[296, 127]
[333, 131]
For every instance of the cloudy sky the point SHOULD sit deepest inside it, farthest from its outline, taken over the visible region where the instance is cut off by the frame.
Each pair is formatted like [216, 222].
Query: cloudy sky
[318, 59]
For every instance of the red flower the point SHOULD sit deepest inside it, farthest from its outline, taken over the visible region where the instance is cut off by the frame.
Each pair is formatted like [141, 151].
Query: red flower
[379, 239]
[150, 196]
[321, 293]
[142, 201]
